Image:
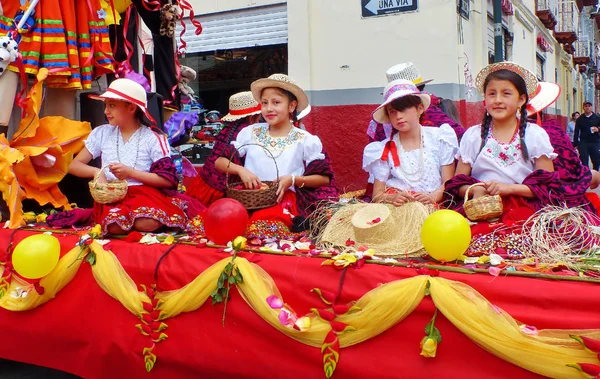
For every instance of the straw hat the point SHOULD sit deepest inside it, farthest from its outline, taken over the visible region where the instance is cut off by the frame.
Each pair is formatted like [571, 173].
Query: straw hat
[280, 81]
[241, 105]
[545, 95]
[129, 91]
[389, 230]
[530, 79]
[406, 71]
[397, 89]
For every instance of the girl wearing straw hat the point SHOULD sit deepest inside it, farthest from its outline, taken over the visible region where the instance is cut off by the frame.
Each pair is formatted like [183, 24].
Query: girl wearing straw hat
[509, 156]
[415, 161]
[131, 152]
[305, 174]
[210, 185]
[433, 115]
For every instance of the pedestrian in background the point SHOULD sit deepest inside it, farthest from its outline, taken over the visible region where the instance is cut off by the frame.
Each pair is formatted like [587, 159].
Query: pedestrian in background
[571, 125]
[586, 136]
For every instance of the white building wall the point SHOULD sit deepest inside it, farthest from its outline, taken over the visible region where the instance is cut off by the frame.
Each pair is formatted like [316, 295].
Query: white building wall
[333, 50]
[212, 6]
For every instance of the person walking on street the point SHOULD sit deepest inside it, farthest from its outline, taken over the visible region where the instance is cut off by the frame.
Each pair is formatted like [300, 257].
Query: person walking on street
[586, 136]
[571, 125]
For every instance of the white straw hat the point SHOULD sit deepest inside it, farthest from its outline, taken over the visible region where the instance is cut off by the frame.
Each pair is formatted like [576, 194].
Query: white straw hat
[395, 90]
[280, 81]
[241, 104]
[129, 91]
[406, 71]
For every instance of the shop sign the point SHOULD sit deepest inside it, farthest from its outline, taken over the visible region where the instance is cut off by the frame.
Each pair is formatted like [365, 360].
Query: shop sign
[372, 8]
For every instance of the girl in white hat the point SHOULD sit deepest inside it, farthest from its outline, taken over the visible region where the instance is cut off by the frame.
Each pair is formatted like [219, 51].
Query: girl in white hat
[133, 152]
[510, 156]
[303, 167]
[415, 161]
[210, 185]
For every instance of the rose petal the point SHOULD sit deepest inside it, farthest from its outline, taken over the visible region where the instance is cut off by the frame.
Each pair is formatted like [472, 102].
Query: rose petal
[275, 302]
[495, 271]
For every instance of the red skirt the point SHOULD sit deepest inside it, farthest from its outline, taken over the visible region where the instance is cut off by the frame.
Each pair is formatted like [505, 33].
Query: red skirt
[199, 190]
[283, 211]
[141, 202]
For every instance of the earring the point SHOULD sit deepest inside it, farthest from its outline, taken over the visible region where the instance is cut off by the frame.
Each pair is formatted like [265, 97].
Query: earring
[518, 114]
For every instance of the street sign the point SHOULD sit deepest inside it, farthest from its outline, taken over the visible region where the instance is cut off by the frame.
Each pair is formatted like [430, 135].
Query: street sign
[372, 8]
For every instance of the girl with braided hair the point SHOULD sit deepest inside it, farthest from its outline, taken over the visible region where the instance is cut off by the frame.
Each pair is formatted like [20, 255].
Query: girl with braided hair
[513, 158]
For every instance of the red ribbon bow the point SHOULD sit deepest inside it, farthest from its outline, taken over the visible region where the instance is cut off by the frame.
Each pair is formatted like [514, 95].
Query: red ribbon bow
[390, 147]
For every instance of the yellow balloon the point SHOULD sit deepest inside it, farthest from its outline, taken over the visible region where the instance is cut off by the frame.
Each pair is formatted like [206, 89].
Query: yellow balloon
[36, 256]
[446, 235]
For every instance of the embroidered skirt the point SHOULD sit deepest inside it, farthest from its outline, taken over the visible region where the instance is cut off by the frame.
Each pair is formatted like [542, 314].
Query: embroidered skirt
[141, 202]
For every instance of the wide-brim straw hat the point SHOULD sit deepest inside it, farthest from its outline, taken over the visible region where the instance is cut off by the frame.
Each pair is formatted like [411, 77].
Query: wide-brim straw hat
[127, 90]
[530, 79]
[406, 71]
[241, 104]
[546, 95]
[390, 230]
[280, 81]
[395, 90]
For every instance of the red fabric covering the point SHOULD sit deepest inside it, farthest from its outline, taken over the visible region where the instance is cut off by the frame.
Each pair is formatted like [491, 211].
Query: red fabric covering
[86, 332]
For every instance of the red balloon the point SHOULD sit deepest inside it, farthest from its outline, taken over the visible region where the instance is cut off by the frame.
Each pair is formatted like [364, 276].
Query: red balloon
[224, 220]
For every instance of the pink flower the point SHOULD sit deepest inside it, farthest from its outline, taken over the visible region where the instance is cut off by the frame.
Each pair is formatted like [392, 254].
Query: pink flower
[503, 156]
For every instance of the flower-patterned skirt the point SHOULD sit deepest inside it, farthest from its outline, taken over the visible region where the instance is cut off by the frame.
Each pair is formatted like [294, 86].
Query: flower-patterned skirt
[141, 202]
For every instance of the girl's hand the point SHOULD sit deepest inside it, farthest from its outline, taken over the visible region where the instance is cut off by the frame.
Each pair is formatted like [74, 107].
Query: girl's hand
[250, 180]
[494, 188]
[284, 183]
[102, 177]
[476, 192]
[121, 171]
[424, 198]
[402, 198]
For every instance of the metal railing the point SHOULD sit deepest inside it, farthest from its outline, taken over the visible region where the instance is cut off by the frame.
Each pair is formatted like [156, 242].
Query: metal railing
[547, 5]
[568, 17]
[584, 49]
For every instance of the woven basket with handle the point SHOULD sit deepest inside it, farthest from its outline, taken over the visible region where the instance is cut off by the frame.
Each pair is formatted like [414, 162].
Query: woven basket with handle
[484, 207]
[107, 193]
[253, 198]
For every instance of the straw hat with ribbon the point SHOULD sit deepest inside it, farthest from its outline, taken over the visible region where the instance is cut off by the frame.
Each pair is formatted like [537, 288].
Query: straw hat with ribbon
[406, 71]
[395, 90]
[390, 230]
[280, 81]
[241, 105]
[129, 91]
[530, 79]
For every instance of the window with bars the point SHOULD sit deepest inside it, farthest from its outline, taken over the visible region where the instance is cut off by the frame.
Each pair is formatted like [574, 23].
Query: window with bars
[540, 62]
[507, 41]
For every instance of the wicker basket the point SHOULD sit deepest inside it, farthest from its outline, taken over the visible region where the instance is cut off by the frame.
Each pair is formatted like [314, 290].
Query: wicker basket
[107, 193]
[253, 199]
[482, 208]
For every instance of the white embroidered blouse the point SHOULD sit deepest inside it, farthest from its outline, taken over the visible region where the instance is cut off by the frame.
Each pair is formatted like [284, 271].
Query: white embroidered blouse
[420, 170]
[142, 149]
[503, 162]
[292, 152]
